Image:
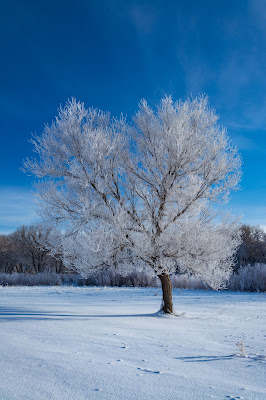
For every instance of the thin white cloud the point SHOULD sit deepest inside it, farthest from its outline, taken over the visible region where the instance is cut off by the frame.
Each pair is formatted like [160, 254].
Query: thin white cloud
[244, 142]
[241, 126]
[144, 18]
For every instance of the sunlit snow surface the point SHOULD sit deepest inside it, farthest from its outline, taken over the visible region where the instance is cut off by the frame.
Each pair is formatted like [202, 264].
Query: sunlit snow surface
[109, 343]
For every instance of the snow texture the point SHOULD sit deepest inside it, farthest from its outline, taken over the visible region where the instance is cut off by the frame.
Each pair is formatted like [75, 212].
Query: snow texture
[109, 343]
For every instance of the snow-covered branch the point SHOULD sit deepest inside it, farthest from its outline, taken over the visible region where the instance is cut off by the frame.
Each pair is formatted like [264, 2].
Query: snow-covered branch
[140, 194]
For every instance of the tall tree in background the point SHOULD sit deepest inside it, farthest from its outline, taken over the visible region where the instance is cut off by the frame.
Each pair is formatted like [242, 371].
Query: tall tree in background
[140, 195]
[7, 262]
[253, 247]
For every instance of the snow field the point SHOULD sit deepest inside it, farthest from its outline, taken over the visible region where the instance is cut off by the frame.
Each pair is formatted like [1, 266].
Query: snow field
[109, 344]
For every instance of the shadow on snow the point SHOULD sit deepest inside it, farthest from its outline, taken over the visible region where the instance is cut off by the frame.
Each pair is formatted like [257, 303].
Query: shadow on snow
[205, 358]
[12, 314]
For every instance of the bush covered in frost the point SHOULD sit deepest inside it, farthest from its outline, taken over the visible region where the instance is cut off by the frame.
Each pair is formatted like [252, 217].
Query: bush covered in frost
[251, 278]
[106, 278]
[247, 278]
[22, 279]
[140, 279]
[112, 278]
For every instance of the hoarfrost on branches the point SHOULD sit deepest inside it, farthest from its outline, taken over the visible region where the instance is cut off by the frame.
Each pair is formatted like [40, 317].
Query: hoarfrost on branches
[140, 194]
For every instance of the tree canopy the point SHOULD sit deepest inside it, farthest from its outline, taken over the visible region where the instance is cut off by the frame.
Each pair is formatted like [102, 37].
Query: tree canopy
[140, 193]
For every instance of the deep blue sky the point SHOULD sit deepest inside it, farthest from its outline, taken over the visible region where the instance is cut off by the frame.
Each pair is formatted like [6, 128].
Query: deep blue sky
[111, 54]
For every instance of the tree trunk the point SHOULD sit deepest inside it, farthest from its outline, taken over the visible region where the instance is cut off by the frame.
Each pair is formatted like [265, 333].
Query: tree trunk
[167, 302]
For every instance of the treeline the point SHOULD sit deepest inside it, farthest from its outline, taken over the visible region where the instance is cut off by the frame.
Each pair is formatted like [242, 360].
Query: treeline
[24, 251]
[25, 260]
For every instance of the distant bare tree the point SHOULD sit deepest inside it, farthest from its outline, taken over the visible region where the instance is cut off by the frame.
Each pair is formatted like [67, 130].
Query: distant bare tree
[31, 252]
[7, 259]
[253, 247]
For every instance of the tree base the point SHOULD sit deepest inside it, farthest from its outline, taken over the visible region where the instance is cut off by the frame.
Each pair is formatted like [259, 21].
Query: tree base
[162, 314]
[167, 301]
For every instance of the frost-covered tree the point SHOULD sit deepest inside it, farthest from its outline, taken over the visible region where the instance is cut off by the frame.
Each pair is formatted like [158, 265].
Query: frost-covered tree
[140, 195]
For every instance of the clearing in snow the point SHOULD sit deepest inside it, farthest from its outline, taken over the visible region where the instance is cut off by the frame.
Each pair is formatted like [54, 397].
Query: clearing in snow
[110, 344]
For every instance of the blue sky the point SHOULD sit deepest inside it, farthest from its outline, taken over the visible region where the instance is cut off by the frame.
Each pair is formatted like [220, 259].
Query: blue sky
[111, 54]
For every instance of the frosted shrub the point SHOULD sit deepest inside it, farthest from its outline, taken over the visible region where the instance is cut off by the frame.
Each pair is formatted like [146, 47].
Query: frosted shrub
[140, 279]
[249, 278]
[42, 278]
[112, 278]
[242, 348]
[185, 281]
[70, 278]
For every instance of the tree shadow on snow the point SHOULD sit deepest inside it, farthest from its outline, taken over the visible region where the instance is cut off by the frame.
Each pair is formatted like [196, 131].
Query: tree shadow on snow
[13, 314]
[205, 358]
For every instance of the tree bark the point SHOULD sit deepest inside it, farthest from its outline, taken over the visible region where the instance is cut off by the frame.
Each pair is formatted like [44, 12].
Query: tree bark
[167, 302]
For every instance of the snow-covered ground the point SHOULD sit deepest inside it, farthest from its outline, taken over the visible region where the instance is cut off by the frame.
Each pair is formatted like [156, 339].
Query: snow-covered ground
[108, 343]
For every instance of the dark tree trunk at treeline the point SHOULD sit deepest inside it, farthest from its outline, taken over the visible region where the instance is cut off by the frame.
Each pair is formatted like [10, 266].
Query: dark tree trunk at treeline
[167, 302]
